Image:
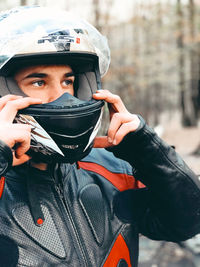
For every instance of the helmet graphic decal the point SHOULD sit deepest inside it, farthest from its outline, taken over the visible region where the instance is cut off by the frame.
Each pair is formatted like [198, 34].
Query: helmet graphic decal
[54, 29]
[40, 139]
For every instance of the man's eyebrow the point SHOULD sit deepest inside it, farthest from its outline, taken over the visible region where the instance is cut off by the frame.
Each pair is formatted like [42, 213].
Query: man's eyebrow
[36, 75]
[43, 75]
[69, 74]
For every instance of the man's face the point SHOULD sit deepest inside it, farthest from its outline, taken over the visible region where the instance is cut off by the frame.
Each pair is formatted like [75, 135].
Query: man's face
[47, 82]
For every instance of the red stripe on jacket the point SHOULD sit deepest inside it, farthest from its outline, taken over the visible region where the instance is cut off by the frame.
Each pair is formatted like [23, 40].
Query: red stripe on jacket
[118, 252]
[121, 181]
[2, 183]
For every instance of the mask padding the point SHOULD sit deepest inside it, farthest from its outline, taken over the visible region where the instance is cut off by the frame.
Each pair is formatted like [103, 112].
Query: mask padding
[86, 81]
[87, 85]
[9, 86]
[13, 87]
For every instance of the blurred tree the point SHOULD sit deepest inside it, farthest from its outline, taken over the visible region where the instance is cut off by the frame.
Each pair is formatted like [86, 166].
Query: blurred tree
[23, 2]
[96, 8]
[188, 47]
[181, 65]
[148, 94]
[156, 85]
[102, 12]
[194, 65]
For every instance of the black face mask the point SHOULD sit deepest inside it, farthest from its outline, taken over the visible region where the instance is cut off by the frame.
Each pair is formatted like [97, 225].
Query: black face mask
[62, 130]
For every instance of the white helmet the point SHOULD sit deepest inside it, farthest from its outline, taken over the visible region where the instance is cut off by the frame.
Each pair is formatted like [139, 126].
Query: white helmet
[39, 30]
[38, 35]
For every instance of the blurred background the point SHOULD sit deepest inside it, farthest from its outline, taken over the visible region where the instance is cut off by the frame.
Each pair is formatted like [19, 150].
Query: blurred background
[155, 68]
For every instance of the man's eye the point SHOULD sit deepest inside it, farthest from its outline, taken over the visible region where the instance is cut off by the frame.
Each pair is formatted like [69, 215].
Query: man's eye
[38, 83]
[68, 82]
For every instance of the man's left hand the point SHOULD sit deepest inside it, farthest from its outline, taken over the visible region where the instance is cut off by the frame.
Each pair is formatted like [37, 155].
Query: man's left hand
[121, 120]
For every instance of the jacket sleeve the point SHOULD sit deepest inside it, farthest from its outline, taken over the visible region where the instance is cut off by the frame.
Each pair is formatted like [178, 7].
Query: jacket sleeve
[169, 207]
[6, 158]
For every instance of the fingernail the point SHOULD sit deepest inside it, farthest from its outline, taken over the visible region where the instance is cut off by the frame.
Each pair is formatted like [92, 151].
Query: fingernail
[114, 142]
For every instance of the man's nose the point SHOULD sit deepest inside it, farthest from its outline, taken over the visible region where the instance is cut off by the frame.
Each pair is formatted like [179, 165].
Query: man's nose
[55, 92]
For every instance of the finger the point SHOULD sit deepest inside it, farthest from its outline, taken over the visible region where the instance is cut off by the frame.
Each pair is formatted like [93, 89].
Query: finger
[18, 161]
[23, 144]
[16, 126]
[5, 99]
[9, 111]
[114, 100]
[123, 131]
[117, 120]
[11, 134]
[19, 126]
[101, 142]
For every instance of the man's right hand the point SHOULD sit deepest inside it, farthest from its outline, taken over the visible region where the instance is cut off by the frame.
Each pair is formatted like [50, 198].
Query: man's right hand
[14, 134]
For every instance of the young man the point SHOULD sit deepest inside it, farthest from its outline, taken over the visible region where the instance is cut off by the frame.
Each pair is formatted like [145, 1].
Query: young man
[64, 203]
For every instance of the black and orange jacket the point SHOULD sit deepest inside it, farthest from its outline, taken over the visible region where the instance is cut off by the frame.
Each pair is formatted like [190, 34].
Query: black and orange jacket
[92, 212]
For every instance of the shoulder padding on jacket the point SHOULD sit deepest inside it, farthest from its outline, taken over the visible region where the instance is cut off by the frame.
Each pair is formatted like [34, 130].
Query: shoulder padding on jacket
[115, 170]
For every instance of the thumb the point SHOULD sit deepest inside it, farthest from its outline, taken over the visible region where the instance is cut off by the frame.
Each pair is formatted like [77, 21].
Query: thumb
[20, 160]
[101, 142]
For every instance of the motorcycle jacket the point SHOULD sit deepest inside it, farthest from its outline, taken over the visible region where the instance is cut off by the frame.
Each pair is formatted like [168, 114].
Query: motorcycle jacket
[91, 213]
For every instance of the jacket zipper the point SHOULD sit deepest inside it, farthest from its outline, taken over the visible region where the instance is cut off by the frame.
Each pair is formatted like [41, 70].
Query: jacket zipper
[64, 203]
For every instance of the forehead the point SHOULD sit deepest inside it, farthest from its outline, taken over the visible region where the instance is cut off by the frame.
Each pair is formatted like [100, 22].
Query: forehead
[47, 69]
